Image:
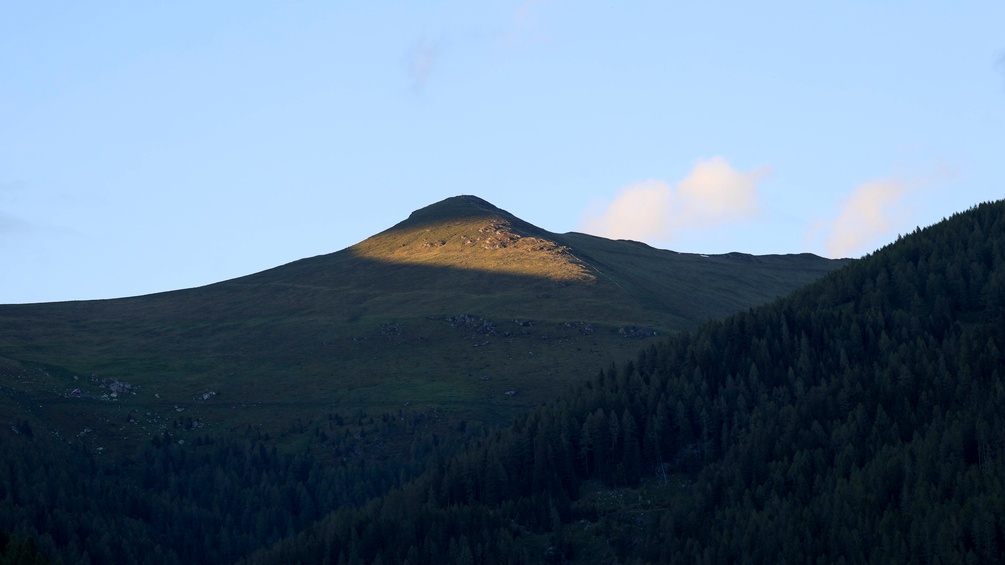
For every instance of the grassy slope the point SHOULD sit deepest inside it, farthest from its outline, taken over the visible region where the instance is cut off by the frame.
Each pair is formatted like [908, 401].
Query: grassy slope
[369, 327]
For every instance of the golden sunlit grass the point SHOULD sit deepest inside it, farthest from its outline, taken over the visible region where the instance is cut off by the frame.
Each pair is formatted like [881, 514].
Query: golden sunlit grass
[468, 233]
[488, 244]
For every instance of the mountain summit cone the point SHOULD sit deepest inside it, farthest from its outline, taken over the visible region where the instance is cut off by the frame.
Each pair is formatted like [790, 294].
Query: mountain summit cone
[452, 209]
[466, 232]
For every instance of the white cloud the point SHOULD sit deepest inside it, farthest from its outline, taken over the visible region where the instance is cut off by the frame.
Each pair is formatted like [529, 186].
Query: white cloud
[641, 212]
[716, 192]
[870, 213]
[713, 193]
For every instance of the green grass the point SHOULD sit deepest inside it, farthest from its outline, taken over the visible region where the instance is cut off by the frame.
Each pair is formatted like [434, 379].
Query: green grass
[366, 328]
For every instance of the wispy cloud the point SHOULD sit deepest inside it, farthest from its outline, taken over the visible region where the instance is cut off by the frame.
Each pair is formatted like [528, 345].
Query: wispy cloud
[11, 224]
[526, 27]
[872, 211]
[422, 61]
[713, 193]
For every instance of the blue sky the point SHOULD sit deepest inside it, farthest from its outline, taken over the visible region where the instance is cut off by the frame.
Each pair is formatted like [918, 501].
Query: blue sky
[150, 146]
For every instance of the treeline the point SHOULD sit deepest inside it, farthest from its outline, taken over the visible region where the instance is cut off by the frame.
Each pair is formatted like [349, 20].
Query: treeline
[187, 498]
[861, 419]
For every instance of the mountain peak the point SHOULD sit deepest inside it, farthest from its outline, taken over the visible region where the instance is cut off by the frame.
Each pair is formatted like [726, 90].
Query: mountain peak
[454, 208]
[470, 233]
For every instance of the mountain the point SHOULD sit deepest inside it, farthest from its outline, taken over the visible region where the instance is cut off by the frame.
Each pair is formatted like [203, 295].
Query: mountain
[859, 420]
[203, 425]
[461, 310]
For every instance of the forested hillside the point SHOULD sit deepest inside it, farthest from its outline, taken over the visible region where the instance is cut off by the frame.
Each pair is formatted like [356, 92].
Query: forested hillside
[860, 420]
[193, 498]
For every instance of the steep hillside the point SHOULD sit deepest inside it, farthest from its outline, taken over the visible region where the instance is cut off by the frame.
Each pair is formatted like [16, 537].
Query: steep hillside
[860, 420]
[462, 310]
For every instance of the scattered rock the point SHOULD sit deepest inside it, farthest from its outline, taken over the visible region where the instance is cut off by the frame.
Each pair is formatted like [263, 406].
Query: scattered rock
[583, 327]
[473, 323]
[391, 331]
[118, 387]
[636, 332]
